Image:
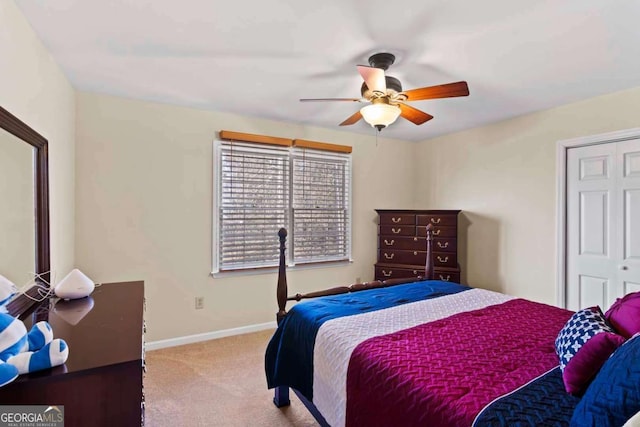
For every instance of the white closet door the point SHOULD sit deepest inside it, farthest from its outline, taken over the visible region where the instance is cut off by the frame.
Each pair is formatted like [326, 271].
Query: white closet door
[629, 225]
[603, 223]
[591, 264]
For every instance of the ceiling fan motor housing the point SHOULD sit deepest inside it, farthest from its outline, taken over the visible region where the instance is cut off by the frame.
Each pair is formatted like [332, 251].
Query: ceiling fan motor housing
[391, 82]
[382, 60]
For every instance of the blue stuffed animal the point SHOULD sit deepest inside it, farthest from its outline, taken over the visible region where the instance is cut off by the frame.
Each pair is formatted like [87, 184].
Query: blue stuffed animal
[22, 352]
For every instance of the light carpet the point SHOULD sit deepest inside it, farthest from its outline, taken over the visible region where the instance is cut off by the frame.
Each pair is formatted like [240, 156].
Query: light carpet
[216, 383]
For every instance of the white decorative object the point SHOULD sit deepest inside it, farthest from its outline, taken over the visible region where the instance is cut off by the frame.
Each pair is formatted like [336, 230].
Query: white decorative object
[74, 285]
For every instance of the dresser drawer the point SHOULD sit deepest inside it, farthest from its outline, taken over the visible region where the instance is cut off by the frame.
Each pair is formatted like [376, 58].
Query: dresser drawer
[445, 244]
[449, 220]
[384, 272]
[438, 231]
[446, 276]
[413, 243]
[391, 272]
[397, 219]
[444, 259]
[417, 243]
[398, 230]
[402, 257]
[440, 259]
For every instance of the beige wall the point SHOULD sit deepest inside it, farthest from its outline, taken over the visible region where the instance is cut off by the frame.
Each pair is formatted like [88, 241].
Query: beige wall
[33, 88]
[144, 205]
[503, 177]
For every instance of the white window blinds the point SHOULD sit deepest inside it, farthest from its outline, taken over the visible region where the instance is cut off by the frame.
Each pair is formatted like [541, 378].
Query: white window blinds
[320, 206]
[253, 204]
[261, 188]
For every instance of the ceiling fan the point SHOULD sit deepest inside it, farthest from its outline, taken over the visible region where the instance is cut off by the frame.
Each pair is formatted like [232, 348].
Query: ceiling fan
[386, 97]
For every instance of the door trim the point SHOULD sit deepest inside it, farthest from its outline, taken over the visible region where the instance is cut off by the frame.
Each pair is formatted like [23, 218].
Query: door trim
[561, 197]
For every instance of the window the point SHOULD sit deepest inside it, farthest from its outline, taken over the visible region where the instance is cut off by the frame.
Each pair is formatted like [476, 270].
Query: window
[320, 206]
[261, 188]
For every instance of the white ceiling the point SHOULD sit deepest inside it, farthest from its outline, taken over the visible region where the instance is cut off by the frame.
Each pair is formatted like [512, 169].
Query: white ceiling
[257, 58]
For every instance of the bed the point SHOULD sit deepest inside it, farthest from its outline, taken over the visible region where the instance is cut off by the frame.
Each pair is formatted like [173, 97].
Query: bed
[426, 352]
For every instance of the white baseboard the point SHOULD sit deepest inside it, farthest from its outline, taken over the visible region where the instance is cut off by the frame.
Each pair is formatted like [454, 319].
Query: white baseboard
[190, 339]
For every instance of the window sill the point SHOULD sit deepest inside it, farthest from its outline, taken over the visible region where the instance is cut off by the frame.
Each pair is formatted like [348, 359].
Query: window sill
[271, 270]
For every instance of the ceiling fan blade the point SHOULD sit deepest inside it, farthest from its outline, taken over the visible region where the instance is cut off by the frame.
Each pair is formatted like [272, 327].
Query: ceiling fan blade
[330, 99]
[448, 90]
[374, 78]
[413, 114]
[352, 119]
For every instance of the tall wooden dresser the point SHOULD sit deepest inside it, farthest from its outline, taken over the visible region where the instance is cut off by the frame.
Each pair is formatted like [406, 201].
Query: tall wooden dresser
[402, 243]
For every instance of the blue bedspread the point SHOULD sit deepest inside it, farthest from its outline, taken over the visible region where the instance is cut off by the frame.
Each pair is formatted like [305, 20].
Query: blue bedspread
[542, 402]
[289, 355]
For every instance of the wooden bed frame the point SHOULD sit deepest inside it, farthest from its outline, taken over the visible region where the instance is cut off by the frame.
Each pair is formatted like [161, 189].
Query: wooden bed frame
[281, 393]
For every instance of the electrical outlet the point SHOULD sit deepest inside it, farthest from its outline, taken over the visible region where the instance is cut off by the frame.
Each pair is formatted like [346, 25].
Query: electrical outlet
[199, 303]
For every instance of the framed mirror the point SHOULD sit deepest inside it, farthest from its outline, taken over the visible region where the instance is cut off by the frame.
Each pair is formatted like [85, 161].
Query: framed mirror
[24, 168]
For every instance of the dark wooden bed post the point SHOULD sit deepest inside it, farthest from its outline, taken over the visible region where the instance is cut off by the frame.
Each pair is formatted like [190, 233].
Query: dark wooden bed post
[281, 393]
[428, 268]
[282, 290]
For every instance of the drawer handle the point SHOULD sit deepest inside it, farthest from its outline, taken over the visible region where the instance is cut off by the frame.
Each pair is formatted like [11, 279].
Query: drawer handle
[446, 245]
[396, 220]
[415, 239]
[415, 252]
[436, 232]
[387, 256]
[445, 279]
[415, 272]
[385, 274]
[442, 260]
[435, 220]
[394, 231]
[389, 243]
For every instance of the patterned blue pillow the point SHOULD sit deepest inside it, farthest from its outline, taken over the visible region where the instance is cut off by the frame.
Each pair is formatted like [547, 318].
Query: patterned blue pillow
[583, 345]
[614, 395]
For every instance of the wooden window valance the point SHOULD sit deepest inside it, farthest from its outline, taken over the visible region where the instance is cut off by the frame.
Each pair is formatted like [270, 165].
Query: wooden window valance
[273, 140]
[249, 137]
[302, 143]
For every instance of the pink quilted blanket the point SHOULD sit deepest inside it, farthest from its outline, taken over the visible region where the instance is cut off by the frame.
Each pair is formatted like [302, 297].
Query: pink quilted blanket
[444, 372]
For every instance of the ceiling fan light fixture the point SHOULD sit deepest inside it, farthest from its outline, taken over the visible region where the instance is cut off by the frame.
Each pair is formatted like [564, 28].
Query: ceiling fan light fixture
[380, 115]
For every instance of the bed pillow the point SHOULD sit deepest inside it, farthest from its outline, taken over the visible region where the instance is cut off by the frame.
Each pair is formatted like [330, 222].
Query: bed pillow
[624, 315]
[583, 345]
[614, 395]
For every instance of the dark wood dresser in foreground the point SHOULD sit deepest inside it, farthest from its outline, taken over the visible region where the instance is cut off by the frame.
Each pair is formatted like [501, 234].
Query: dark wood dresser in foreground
[101, 382]
[402, 243]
